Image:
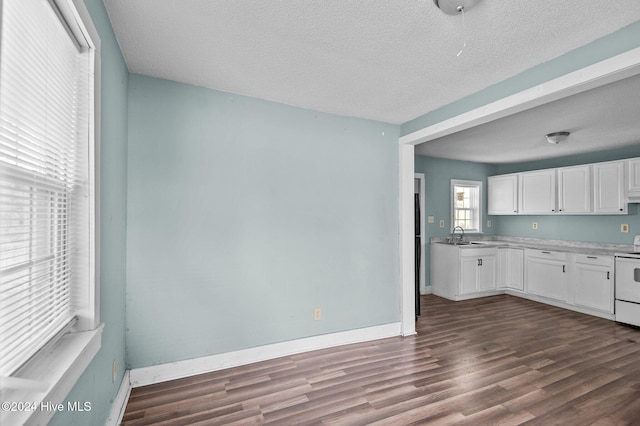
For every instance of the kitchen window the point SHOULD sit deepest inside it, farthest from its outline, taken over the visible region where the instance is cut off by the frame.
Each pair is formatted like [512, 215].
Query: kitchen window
[49, 322]
[466, 205]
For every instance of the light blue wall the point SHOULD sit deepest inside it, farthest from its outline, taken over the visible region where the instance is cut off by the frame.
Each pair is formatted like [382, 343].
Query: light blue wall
[621, 41]
[438, 174]
[95, 384]
[244, 215]
[600, 228]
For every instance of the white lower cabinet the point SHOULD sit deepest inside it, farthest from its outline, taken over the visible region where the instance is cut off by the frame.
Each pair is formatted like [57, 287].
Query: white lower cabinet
[581, 282]
[510, 268]
[546, 274]
[462, 272]
[591, 282]
[477, 270]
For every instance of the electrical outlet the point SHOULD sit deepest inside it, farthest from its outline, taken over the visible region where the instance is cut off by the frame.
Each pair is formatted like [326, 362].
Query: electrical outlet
[624, 228]
[534, 225]
[431, 219]
[442, 224]
[317, 314]
[488, 224]
[114, 371]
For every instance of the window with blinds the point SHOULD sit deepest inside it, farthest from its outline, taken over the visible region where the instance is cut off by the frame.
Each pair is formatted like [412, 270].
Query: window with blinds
[44, 176]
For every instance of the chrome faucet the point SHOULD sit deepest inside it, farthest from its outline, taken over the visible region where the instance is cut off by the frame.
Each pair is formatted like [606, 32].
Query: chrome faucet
[461, 233]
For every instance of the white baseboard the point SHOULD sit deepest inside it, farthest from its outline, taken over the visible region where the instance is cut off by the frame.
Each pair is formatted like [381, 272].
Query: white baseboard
[120, 402]
[180, 369]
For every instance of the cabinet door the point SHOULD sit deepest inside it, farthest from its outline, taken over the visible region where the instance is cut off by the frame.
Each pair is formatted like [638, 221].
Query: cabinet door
[608, 179]
[546, 276]
[515, 273]
[503, 194]
[502, 268]
[633, 183]
[593, 286]
[468, 275]
[487, 273]
[574, 190]
[537, 192]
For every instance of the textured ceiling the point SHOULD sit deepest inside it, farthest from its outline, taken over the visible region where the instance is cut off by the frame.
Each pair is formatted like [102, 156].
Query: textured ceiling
[378, 59]
[603, 118]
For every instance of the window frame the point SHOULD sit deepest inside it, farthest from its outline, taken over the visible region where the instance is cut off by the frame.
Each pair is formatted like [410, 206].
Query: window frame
[50, 375]
[471, 184]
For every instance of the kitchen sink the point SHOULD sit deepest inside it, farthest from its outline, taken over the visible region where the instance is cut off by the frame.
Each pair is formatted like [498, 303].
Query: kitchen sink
[456, 243]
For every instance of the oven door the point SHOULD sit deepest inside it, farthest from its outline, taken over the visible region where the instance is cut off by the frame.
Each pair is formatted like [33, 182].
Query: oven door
[628, 279]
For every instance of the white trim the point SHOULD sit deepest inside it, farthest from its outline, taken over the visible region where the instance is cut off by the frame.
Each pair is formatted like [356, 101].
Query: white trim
[613, 69]
[56, 370]
[180, 369]
[468, 183]
[120, 402]
[423, 244]
[77, 12]
[407, 241]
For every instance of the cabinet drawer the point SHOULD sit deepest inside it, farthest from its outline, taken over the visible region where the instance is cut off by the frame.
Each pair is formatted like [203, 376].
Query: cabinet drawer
[547, 254]
[478, 252]
[594, 259]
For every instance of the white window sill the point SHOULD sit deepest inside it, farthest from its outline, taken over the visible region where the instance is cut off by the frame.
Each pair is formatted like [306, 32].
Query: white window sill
[41, 387]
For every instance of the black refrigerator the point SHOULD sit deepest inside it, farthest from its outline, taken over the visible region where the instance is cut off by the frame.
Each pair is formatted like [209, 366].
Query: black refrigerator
[416, 202]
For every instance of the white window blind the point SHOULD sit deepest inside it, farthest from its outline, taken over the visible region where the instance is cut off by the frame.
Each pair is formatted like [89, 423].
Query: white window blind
[44, 222]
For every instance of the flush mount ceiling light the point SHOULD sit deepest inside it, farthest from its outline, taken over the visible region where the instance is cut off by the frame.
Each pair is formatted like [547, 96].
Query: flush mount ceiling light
[556, 137]
[454, 7]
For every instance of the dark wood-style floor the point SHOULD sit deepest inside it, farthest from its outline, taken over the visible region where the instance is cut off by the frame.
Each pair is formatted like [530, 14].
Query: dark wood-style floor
[497, 360]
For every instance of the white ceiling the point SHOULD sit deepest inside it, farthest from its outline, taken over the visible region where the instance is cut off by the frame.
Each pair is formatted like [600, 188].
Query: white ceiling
[606, 117]
[390, 61]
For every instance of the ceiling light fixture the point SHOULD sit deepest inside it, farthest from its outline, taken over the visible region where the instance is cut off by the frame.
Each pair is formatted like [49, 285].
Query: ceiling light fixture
[455, 7]
[556, 137]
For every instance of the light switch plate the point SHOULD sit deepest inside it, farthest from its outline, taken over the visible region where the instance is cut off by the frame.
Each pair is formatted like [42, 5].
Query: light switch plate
[431, 219]
[624, 228]
[441, 223]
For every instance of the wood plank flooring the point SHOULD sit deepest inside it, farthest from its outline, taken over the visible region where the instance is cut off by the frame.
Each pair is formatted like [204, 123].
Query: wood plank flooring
[499, 360]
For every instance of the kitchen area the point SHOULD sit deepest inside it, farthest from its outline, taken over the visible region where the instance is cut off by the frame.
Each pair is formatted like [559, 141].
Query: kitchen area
[556, 214]
[561, 259]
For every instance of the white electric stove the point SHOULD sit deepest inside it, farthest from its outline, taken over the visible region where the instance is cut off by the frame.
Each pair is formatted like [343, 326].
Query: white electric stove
[628, 285]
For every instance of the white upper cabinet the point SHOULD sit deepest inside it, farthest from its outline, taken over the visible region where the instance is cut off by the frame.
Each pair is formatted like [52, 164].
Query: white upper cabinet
[503, 194]
[609, 188]
[537, 192]
[633, 182]
[574, 190]
[598, 188]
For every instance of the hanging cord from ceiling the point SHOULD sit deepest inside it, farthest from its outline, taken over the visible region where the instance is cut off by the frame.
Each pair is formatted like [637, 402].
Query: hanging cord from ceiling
[464, 31]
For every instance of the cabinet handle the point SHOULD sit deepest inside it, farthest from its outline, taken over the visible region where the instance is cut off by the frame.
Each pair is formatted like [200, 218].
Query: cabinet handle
[592, 257]
[607, 274]
[546, 252]
[563, 268]
[479, 262]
